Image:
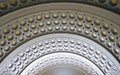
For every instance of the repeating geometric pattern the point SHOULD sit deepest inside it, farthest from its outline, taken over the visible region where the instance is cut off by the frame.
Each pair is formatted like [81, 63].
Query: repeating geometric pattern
[91, 26]
[12, 5]
[57, 44]
[44, 36]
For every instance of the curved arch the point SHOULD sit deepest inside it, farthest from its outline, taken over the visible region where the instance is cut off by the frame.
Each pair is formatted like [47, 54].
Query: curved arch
[12, 5]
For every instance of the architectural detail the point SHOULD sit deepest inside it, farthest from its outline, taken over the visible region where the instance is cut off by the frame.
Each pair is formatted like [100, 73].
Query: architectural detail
[66, 37]
[12, 5]
[81, 23]
[58, 43]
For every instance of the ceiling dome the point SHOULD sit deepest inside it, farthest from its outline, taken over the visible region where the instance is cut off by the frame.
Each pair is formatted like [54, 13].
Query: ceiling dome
[55, 37]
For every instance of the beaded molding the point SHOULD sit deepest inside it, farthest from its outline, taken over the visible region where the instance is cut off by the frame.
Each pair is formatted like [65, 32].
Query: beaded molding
[11, 5]
[60, 43]
[91, 26]
[64, 59]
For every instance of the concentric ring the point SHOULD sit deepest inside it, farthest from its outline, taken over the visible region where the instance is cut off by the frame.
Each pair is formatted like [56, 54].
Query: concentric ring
[60, 31]
[55, 43]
